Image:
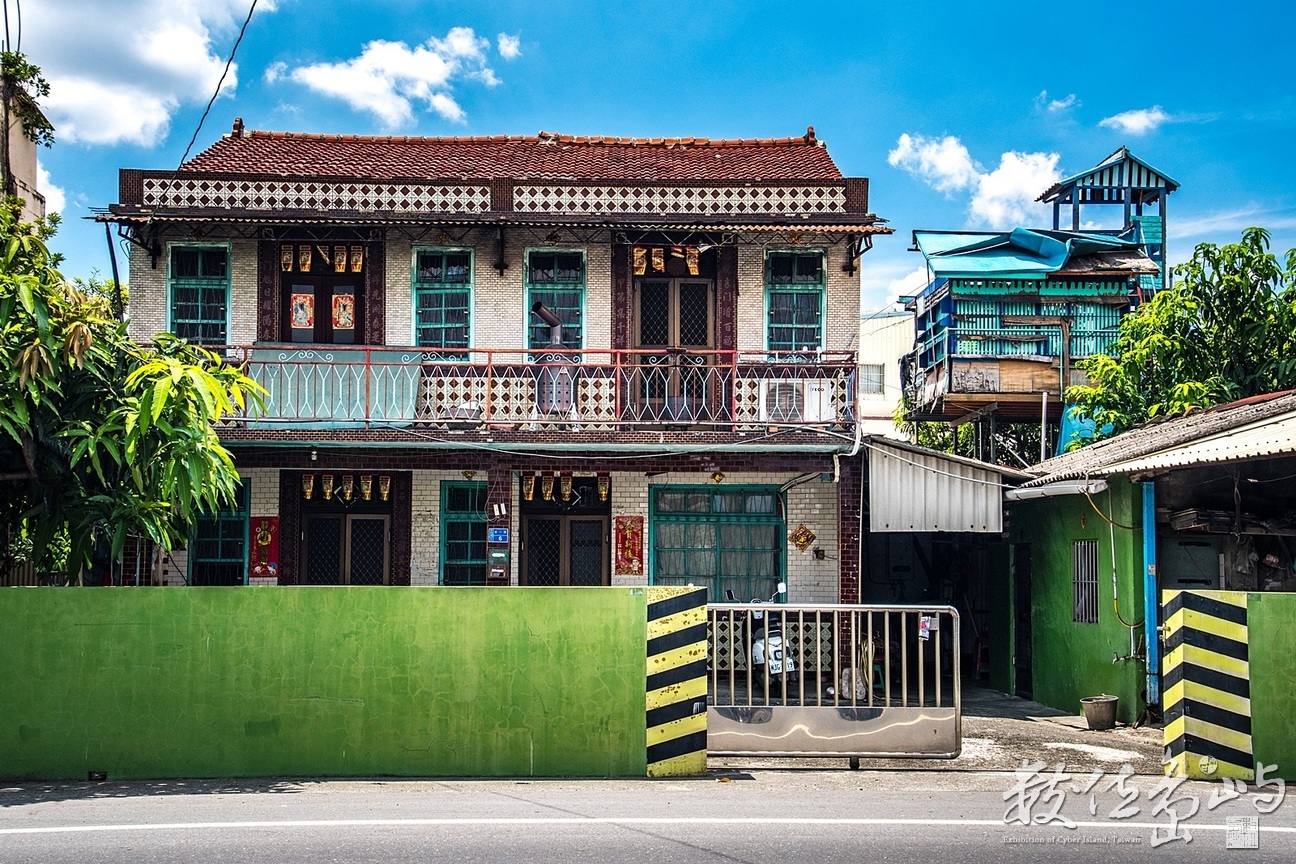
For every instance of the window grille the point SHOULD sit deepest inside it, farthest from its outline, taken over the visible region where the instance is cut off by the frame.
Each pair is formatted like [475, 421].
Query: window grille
[872, 377]
[463, 533]
[199, 288]
[794, 296]
[726, 539]
[218, 545]
[556, 279]
[443, 281]
[1084, 581]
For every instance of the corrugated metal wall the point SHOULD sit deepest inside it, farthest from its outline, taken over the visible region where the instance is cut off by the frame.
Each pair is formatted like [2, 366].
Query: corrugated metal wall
[910, 491]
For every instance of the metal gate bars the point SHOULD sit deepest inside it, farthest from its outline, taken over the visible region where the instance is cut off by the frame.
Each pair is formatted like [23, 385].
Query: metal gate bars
[857, 681]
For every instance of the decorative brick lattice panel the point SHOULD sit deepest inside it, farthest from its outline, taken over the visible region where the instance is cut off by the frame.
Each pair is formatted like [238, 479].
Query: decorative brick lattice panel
[295, 195]
[755, 200]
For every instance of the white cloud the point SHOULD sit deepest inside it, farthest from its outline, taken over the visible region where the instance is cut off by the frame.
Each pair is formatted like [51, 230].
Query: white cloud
[1055, 105]
[387, 77]
[1002, 198]
[510, 47]
[944, 163]
[55, 199]
[123, 78]
[1137, 122]
[275, 71]
[1006, 196]
[910, 283]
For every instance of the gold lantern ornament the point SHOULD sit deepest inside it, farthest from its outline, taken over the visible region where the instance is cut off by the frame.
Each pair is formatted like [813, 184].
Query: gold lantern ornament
[328, 486]
[366, 486]
[308, 485]
[565, 485]
[528, 487]
[348, 487]
[546, 485]
[604, 485]
[384, 486]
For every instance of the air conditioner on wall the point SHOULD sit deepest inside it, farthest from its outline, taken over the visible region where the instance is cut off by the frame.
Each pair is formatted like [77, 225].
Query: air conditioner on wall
[807, 401]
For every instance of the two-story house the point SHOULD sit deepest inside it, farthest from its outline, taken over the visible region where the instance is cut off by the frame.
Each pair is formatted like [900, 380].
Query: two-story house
[547, 360]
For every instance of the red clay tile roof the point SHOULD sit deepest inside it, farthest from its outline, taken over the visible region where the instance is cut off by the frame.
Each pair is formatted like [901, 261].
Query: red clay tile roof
[543, 157]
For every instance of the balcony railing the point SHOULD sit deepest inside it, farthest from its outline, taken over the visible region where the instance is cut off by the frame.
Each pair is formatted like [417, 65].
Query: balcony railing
[548, 390]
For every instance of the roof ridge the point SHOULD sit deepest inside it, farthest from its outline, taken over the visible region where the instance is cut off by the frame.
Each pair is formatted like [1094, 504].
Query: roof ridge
[542, 137]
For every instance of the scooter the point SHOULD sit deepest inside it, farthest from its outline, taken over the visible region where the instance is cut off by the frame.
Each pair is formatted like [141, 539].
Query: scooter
[763, 638]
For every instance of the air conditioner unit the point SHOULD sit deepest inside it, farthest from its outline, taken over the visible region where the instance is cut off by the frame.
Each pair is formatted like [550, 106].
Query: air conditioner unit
[808, 401]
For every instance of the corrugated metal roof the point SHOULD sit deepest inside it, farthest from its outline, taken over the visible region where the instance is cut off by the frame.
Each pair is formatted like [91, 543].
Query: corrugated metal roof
[915, 489]
[1169, 436]
[1274, 436]
[1022, 253]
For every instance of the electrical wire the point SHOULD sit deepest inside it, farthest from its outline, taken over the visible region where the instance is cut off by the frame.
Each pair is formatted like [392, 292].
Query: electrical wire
[1104, 515]
[215, 93]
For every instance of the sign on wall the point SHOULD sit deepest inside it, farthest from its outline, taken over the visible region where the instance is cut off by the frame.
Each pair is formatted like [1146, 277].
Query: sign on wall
[629, 545]
[264, 560]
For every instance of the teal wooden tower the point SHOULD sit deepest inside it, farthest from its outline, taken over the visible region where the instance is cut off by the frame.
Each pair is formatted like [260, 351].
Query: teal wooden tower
[1124, 180]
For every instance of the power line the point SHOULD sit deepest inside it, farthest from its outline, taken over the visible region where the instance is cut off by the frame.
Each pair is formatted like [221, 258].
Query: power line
[219, 83]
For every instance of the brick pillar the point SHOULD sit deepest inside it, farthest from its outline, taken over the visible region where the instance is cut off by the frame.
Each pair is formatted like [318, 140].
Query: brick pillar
[267, 328]
[290, 526]
[402, 503]
[849, 513]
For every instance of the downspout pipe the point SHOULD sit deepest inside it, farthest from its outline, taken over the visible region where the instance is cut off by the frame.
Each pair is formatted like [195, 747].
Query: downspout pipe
[545, 314]
[1151, 602]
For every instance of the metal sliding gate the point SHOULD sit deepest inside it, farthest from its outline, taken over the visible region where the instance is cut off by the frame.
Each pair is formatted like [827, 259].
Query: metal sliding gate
[868, 681]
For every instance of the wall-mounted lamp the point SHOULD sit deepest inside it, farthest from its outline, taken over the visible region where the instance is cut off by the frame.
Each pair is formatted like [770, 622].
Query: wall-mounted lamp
[314, 454]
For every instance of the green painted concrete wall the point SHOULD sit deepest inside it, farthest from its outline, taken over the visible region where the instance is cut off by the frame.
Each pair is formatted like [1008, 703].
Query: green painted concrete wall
[1070, 660]
[221, 682]
[1272, 656]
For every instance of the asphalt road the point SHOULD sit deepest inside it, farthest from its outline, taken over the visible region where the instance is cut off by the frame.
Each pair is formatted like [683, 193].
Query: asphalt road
[758, 815]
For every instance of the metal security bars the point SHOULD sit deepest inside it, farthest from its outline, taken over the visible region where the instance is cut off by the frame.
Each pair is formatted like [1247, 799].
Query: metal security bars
[834, 679]
[1084, 581]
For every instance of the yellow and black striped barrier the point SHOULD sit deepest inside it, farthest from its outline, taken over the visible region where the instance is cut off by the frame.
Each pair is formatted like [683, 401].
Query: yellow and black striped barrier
[1207, 685]
[677, 681]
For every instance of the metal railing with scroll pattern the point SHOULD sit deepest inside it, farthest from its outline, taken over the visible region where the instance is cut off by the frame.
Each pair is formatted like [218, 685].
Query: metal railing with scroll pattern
[351, 386]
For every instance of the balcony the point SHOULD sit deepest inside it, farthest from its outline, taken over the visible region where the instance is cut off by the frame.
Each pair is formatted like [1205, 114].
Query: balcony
[343, 387]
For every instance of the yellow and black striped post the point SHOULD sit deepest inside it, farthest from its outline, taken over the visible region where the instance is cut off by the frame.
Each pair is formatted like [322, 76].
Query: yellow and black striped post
[677, 681]
[1207, 685]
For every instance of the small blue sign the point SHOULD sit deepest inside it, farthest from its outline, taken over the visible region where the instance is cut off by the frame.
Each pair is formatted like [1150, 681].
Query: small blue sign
[497, 535]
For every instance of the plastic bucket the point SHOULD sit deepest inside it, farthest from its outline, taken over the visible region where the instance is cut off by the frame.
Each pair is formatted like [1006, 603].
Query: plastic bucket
[1100, 711]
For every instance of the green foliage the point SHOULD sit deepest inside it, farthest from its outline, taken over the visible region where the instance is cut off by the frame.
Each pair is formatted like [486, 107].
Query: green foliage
[24, 82]
[1225, 331]
[95, 430]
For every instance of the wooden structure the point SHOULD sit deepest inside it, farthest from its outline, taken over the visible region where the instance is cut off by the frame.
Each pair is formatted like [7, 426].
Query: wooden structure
[1121, 179]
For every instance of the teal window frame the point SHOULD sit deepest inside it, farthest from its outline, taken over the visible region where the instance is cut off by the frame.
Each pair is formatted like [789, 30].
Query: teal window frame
[728, 524]
[195, 319]
[442, 290]
[792, 289]
[231, 526]
[476, 520]
[549, 291]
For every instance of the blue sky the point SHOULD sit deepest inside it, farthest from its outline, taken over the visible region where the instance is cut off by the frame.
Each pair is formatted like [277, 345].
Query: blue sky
[959, 113]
